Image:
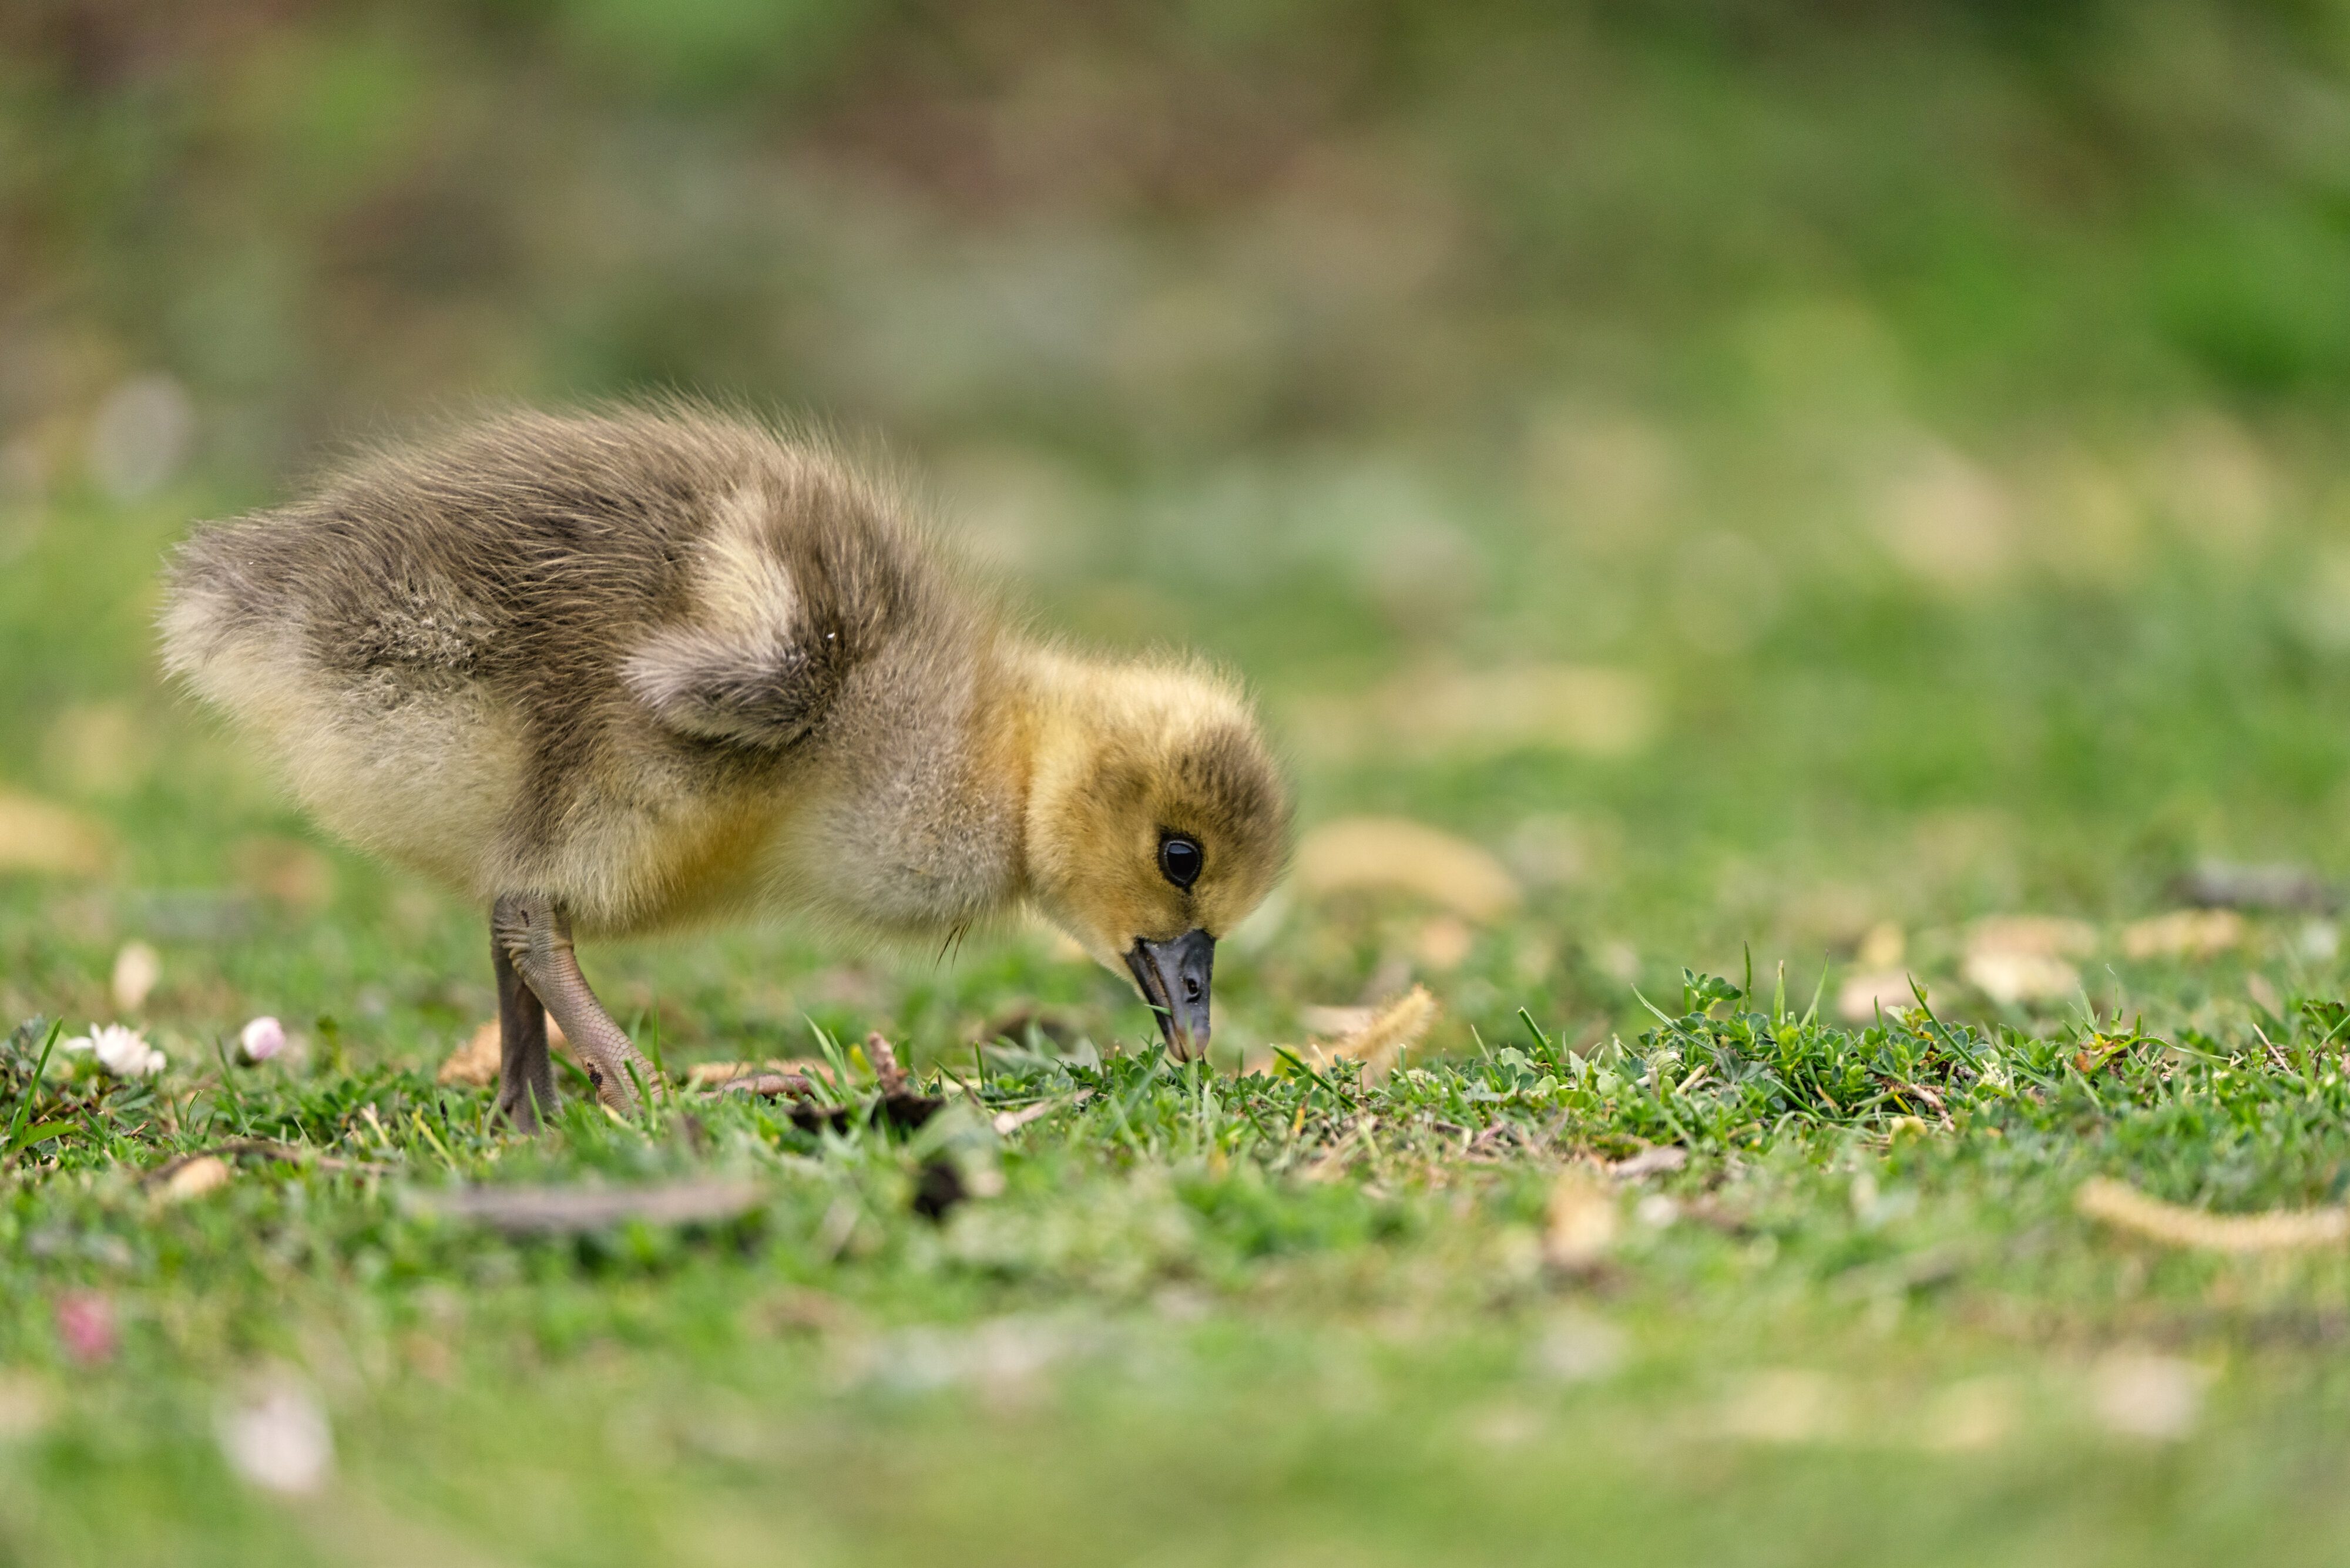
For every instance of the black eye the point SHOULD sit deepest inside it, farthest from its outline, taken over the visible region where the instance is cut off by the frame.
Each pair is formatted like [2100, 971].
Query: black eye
[1180, 859]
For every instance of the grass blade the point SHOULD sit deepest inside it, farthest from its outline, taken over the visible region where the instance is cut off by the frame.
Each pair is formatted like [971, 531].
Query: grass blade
[25, 1105]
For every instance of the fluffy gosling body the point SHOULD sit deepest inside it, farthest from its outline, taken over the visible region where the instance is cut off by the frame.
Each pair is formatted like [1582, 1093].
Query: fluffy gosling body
[638, 671]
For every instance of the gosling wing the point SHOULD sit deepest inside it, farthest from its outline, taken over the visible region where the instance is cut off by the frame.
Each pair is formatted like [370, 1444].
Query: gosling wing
[762, 689]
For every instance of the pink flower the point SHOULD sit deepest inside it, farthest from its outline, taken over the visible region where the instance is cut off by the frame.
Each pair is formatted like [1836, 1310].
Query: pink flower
[262, 1038]
[86, 1325]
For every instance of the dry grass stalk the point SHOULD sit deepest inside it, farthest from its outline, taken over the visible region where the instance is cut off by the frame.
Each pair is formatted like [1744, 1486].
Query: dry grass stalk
[2174, 1225]
[1389, 1033]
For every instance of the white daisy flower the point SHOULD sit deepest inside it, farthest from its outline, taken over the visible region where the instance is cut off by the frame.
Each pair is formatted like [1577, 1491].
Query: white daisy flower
[121, 1051]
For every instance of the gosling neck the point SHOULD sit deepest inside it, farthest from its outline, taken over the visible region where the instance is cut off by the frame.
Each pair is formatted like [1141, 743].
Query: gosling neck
[1052, 718]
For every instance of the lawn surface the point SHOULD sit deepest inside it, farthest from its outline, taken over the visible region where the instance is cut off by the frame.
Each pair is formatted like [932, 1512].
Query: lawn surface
[1803, 507]
[1271, 1310]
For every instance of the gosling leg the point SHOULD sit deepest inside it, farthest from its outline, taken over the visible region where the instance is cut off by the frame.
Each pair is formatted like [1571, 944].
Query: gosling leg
[536, 937]
[525, 1074]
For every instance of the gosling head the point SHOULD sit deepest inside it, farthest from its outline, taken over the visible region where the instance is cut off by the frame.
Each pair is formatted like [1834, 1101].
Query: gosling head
[1157, 820]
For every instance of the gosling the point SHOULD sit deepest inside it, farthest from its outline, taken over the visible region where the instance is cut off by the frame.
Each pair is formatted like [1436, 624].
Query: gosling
[627, 673]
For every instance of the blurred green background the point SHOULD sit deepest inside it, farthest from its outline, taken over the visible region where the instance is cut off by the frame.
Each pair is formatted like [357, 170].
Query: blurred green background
[1761, 472]
[1766, 479]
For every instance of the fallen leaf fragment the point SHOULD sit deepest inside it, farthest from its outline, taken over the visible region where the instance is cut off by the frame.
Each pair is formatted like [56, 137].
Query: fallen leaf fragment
[1881, 946]
[1383, 853]
[137, 967]
[1970, 1416]
[1786, 1405]
[1947, 521]
[771, 1085]
[2184, 933]
[25, 1406]
[1578, 1224]
[100, 748]
[1389, 1033]
[2025, 957]
[2138, 1394]
[205, 1173]
[477, 1062]
[2125, 1208]
[1654, 1161]
[1577, 1347]
[2044, 936]
[2010, 977]
[529, 1211]
[35, 835]
[1006, 1123]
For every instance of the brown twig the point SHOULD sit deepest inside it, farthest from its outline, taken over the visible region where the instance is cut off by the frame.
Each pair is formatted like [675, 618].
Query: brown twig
[884, 1059]
[542, 1210]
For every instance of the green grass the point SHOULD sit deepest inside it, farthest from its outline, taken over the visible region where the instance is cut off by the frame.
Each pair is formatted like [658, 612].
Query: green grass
[1215, 1315]
[1925, 420]
[1218, 1316]
[1209, 1318]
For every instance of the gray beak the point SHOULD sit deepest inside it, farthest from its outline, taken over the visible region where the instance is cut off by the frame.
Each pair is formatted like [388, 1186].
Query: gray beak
[1173, 976]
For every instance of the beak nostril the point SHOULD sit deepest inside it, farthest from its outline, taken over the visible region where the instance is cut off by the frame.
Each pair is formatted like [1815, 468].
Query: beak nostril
[1174, 977]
